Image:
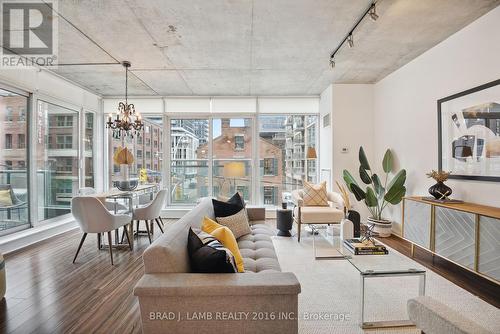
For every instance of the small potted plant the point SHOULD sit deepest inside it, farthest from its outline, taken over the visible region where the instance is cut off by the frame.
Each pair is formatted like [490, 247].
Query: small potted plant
[378, 194]
[440, 191]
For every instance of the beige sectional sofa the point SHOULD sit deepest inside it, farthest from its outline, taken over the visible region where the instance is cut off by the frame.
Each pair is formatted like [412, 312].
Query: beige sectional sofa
[173, 300]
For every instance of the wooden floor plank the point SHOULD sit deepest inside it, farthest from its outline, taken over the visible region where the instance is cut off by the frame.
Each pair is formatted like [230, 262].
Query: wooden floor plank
[47, 293]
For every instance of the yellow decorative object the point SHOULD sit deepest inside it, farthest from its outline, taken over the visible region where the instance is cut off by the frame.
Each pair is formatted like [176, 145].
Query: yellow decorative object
[5, 198]
[123, 156]
[345, 196]
[143, 175]
[226, 238]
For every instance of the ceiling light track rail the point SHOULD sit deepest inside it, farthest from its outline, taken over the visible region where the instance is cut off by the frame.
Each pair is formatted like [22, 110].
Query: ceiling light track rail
[370, 11]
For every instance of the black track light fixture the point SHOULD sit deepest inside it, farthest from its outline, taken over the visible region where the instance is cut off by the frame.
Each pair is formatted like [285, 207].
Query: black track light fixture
[373, 12]
[349, 38]
[350, 41]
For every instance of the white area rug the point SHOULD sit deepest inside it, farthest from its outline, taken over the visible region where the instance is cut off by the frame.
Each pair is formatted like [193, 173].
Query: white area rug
[331, 288]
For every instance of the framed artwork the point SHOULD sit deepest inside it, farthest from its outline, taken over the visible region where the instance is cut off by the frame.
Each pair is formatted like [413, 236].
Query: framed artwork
[469, 133]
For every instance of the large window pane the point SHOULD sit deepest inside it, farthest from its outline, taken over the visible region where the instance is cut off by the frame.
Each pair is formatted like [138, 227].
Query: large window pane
[232, 157]
[89, 149]
[56, 159]
[13, 158]
[283, 144]
[189, 160]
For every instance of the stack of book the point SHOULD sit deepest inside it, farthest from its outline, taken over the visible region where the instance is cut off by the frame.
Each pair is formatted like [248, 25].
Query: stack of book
[370, 248]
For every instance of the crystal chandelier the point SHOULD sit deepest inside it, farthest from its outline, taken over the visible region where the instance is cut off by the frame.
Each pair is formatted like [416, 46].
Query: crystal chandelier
[127, 122]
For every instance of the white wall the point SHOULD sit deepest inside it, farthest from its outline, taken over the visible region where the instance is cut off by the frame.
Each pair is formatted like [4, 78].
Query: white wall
[352, 118]
[326, 139]
[405, 107]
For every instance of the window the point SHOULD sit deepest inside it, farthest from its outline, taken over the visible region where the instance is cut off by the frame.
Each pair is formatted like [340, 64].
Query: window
[155, 144]
[13, 172]
[270, 167]
[64, 121]
[232, 160]
[270, 195]
[139, 154]
[285, 138]
[148, 154]
[9, 115]
[139, 140]
[8, 141]
[239, 142]
[189, 160]
[22, 114]
[64, 141]
[21, 140]
[89, 149]
[57, 169]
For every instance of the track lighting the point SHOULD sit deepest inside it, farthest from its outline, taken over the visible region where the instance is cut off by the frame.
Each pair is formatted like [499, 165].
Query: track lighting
[370, 11]
[350, 40]
[373, 13]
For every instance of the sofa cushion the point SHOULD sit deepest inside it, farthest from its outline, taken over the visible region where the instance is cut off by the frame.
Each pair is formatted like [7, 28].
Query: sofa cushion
[257, 250]
[208, 255]
[229, 208]
[319, 214]
[226, 237]
[237, 223]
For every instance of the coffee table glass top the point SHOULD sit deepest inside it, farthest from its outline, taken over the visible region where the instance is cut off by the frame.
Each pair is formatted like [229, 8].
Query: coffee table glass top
[328, 245]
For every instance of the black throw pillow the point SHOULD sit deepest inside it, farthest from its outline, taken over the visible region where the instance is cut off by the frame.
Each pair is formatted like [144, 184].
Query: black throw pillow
[209, 255]
[229, 208]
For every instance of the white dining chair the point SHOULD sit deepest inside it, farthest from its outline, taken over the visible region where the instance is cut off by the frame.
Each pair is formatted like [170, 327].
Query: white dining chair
[151, 212]
[93, 217]
[112, 206]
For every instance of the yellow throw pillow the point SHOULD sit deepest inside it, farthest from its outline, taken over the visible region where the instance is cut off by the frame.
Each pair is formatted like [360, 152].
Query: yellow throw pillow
[5, 199]
[226, 237]
[315, 194]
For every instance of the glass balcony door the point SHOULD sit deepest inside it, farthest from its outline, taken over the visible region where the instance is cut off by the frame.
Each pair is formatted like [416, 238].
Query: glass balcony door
[14, 185]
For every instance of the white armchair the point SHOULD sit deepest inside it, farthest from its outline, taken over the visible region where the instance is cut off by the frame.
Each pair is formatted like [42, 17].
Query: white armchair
[331, 214]
[93, 217]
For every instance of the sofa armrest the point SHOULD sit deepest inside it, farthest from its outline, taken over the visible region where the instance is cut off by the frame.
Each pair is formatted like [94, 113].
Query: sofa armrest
[433, 317]
[191, 284]
[256, 213]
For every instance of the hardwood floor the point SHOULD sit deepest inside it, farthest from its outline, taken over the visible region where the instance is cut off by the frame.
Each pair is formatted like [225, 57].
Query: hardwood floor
[47, 293]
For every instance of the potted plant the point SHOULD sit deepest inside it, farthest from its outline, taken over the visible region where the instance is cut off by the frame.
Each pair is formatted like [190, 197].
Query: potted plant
[377, 195]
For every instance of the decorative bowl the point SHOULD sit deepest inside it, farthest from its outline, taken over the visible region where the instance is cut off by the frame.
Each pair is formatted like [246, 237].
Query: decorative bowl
[126, 185]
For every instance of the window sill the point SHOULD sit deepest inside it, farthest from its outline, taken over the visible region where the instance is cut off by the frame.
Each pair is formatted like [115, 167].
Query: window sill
[19, 240]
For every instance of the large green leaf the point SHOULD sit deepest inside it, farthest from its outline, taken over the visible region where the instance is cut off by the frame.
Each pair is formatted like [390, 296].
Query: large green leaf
[398, 180]
[395, 195]
[363, 174]
[379, 190]
[387, 161]
[357, 191]
[349, 179]
[370, 200]
[362, 159]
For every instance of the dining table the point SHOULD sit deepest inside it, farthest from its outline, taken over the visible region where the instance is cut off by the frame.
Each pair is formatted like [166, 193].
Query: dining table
[114, 195]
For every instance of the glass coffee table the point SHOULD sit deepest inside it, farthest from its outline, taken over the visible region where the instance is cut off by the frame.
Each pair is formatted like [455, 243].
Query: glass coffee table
[368, 266]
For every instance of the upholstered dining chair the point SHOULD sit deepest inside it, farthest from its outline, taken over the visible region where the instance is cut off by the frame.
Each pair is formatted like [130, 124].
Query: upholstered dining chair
[330, 214]
[93, 217]
[111, 206]
[151, 212]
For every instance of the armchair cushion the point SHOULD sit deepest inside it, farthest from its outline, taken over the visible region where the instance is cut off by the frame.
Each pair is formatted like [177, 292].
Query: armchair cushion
[315, 194]
[319, 214]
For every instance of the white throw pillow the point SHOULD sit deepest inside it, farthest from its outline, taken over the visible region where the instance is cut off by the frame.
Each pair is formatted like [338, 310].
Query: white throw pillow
[237, 223]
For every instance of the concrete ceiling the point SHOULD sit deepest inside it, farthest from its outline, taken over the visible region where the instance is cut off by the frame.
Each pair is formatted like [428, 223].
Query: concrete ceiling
[247, 47]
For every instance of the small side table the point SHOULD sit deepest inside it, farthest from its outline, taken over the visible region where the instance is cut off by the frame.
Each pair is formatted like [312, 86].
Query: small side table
[284, 222]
